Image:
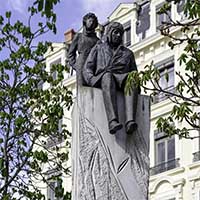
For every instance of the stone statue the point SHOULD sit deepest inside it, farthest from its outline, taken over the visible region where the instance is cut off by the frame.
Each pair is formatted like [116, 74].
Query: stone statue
[108, 166]
[107, 67]
[83, 43]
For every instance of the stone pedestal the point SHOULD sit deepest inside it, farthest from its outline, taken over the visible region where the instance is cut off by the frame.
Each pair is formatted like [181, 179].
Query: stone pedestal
[105, 166]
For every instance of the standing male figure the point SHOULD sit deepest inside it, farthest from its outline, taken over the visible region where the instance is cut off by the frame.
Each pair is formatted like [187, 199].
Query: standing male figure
[83, 43]
[107, 67]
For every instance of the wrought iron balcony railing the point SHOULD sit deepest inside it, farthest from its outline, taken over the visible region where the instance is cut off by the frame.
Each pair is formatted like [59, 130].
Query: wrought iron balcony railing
[196, 156]
[165, 166]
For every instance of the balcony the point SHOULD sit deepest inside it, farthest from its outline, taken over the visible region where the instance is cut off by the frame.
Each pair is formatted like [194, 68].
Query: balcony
[162, 167]
[196, 156]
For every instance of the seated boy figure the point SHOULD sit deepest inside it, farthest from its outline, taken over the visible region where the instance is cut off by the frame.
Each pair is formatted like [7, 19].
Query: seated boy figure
[107, 67]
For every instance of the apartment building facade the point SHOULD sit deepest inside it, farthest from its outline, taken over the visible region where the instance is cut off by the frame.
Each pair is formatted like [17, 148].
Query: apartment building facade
[174, 162]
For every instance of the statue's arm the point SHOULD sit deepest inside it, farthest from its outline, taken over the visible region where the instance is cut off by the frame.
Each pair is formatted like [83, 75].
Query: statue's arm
[72, 51]
[90, 66]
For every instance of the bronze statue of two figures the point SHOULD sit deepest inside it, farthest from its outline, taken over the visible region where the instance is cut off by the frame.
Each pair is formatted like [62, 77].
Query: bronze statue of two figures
[107, 166]
[105, 64]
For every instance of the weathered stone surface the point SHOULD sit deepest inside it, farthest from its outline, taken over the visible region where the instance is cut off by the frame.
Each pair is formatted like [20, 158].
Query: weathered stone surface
[105, 166]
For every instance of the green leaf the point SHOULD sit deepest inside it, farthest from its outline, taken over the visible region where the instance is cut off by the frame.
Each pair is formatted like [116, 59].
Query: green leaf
[182, 58]
[40, 5]
[41, 156]
[6, 197]
[4, 172]
[1, 163]
[8, 14]
[167, 77]
[1, 20]
[48, 8]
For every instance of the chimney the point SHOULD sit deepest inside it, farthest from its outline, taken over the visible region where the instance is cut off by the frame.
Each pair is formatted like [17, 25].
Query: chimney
[69, 35]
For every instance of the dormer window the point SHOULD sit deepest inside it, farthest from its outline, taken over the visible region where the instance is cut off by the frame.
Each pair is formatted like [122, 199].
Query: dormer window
[180, 9]
[143, 22]
[161, 18]
[127, 33]
[180, 6]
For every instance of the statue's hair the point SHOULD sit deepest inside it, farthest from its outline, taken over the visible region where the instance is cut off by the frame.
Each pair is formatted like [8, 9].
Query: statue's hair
[114, 25]
[90, 15]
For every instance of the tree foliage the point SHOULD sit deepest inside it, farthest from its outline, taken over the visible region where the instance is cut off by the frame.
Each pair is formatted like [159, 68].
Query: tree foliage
[30, 115]
[186, 94]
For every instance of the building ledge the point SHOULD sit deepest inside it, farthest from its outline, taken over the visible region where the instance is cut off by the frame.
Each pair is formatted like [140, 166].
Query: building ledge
[163, 107]
[195, 172]
[194, 165]
[153, 39]
[70, 81]
[172, 172]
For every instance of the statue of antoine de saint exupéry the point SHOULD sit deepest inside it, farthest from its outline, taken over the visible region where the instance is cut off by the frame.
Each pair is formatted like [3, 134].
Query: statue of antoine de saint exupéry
[107, 67]
[83, 43]
[106, 165]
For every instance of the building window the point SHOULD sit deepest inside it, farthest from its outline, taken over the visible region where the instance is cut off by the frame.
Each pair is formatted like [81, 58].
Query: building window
[51, 190]
[196, 156]
[163, 82]
[180, 9]
[54, 184]
[165, 150]
[143, 23]
[127, 34]
[40, 85]
[164, 153]
[54, 73]
[56, 139]
[166, 81]
[40, 81]
[161, 18]
[180, 6]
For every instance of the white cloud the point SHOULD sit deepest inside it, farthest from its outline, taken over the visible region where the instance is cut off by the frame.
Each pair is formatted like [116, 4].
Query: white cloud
[18, 5]
[102, 8]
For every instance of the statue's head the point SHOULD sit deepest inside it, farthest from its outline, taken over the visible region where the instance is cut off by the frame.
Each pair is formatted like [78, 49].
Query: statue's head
[90, 21]
[115, 33]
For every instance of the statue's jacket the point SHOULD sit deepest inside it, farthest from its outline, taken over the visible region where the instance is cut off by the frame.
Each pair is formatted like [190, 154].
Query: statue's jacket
[102, 59]
[83, 43]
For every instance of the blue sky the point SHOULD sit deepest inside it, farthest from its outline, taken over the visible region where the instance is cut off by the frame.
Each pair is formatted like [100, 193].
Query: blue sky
[69, 12]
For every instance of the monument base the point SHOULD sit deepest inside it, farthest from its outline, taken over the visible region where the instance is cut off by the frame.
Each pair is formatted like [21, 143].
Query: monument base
[105, 166]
